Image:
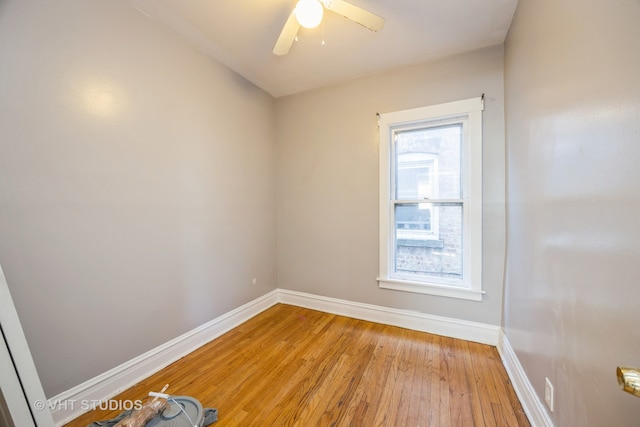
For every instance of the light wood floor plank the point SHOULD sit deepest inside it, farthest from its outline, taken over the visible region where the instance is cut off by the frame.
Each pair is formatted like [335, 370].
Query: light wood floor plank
[461, 413]
[292, 366]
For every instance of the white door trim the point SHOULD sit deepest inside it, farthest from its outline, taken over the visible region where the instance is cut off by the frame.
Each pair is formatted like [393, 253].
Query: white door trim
[19, 381]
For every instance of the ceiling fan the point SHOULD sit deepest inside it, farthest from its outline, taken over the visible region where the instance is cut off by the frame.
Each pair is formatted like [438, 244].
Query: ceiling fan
[308, 13]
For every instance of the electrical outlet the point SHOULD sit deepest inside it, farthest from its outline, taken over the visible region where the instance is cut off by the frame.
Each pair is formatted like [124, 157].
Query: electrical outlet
[548, 393]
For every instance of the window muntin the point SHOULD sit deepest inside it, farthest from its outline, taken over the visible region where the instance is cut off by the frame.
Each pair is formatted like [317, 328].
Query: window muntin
[430, 199]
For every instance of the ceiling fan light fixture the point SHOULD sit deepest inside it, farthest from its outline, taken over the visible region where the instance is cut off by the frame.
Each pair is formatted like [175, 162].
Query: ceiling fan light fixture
[309, 13]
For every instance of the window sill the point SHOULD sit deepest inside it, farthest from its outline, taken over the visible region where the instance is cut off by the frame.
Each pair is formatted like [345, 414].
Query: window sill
[422, 243]
[430, 289]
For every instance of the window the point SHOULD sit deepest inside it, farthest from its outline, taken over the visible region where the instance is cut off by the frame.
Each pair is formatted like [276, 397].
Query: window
[431, 199]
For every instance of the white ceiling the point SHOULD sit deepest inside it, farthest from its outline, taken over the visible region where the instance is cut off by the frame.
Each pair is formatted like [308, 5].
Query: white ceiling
[241, 34]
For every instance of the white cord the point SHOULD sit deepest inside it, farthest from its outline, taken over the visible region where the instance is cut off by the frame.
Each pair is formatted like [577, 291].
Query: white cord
[169, 397]
[183, 411]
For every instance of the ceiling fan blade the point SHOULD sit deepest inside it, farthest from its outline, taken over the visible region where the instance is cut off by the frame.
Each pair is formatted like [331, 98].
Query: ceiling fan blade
[355, 13]
[287, 35]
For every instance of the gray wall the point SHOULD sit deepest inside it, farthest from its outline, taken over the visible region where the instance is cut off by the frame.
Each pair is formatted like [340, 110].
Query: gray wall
[137, 184]
[327, 182]
[572, 304]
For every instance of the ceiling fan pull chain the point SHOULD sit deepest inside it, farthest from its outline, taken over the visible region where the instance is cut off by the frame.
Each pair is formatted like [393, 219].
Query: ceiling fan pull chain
[323, 43]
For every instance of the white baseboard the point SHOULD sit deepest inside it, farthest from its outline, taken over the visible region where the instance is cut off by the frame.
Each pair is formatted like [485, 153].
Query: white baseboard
[533, 407]
[76, 401]
[72, 403]
[454, 328]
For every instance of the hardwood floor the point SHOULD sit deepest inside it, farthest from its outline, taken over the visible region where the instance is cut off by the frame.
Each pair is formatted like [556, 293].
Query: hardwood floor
[291, 366]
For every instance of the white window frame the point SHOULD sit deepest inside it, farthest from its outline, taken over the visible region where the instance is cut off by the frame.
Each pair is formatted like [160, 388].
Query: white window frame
[468, 112]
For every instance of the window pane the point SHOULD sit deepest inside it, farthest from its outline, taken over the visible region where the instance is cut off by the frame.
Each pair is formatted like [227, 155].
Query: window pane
[414, 217]
[428, 240]
[427, 163]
